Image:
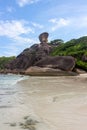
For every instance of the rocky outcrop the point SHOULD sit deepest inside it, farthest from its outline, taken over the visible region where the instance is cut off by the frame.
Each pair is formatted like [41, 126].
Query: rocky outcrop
[31, 55]
[39, 71]
[38, 55]
[24, 60]
[66, 63]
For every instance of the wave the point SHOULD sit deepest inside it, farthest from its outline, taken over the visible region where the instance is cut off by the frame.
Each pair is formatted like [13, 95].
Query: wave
[11, 79]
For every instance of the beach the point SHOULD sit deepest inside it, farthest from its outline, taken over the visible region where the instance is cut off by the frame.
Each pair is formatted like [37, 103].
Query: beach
[54, 103]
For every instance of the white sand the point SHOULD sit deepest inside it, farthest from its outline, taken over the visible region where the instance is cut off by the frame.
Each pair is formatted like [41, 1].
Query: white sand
[59, 103]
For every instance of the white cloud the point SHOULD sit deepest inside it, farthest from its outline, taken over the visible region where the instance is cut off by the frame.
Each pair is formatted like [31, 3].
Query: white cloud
[59, 23]
[36, 25]
[23, 41]
[17, 32]
[53, 20]
[22, 3]
[10, 9]
[72, 23]
[14, 28]
[79, 22]
[16, 47]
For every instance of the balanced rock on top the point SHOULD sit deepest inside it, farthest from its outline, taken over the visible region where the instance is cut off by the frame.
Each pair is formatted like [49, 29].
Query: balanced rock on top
[43, 37]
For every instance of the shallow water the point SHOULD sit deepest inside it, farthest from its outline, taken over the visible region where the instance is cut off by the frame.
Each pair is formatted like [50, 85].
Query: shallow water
[60, 103]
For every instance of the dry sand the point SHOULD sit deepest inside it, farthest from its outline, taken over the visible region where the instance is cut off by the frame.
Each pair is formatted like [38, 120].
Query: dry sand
[57, 103]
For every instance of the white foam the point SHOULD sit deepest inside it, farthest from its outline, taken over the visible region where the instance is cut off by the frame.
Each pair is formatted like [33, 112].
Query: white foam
[11, 79]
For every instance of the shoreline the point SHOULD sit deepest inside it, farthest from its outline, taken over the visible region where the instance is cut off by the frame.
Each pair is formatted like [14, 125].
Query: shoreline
[55, 102]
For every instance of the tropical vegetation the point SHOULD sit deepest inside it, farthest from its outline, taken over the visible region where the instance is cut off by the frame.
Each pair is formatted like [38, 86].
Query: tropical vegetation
[5, 60]
[76, 48]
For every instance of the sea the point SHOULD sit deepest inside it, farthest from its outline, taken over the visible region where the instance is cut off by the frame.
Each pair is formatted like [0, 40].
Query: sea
[6, 80]
[8, 88]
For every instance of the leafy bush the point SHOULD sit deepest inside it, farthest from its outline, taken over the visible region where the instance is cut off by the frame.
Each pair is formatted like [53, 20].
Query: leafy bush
[81, 64]
[76, 48]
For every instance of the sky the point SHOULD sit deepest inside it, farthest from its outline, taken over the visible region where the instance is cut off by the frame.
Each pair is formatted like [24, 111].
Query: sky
[21, 22]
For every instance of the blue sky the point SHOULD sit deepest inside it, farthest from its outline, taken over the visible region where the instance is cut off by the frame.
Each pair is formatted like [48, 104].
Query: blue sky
[21, 21]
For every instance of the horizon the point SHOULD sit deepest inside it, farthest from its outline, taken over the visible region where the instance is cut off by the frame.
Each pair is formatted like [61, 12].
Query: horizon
[21, 22]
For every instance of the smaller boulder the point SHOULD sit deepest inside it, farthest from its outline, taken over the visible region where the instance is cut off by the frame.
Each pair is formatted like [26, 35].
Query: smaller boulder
[66, 63]
[39, 71]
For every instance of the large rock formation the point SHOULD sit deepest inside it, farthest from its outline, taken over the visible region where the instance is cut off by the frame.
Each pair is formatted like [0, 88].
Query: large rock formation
[38, 55]
[31, 55]
[66, 63]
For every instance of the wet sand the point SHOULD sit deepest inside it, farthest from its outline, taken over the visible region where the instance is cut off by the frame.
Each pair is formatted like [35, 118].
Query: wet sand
[57, 103]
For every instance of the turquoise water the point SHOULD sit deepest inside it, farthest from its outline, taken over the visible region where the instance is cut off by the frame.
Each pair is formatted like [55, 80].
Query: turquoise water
[9, 79]
[9, 89]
